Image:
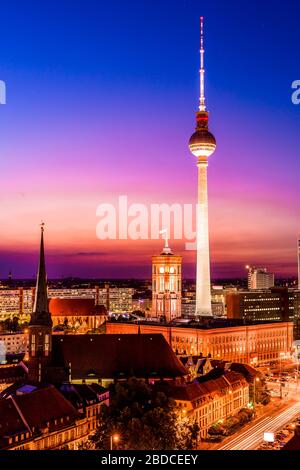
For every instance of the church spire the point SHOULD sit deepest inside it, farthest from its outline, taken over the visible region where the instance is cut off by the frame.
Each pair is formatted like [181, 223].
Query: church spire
[40, 314]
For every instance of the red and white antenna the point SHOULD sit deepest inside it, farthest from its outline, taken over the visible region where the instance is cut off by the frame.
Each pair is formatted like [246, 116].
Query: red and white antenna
[202, 106]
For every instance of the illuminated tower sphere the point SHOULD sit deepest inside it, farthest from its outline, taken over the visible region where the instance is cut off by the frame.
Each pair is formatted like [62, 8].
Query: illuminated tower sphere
[202, 144]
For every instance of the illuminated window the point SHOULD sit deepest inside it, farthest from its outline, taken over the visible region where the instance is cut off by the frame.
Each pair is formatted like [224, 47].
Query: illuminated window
[33, 345]
[47, 344]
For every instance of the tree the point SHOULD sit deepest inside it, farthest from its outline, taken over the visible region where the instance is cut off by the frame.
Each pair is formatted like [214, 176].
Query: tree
[231, 424]
[144, 418]
[15, 324]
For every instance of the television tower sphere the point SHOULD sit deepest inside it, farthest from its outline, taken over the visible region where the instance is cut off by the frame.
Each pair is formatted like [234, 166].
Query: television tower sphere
[202, 143]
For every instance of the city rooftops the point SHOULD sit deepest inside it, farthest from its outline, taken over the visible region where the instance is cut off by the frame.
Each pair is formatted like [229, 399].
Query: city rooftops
[205, 323]
[115, 356]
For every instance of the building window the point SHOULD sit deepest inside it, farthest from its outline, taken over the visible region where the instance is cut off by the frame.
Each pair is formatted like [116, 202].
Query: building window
[47, 344]
[33, 345]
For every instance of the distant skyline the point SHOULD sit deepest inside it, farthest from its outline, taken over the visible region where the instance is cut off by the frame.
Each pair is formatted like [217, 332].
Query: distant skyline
[101, 101]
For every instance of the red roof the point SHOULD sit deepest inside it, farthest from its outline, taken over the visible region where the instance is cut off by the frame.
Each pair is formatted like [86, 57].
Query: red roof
[44, 406]
[116, 356]
[10, 421]
[33, 411]
[75, 307]
[195, 390]
[12, 373]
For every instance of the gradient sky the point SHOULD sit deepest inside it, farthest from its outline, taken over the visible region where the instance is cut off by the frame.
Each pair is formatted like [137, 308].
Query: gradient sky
[101, 99]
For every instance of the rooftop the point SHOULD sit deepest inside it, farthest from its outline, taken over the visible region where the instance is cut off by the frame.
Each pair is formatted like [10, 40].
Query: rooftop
[24, 411]
[116, 356]
[205, 323]
[75, 307]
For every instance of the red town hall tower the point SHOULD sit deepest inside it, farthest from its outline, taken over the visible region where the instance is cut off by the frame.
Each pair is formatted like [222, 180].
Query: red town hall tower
[166, 284]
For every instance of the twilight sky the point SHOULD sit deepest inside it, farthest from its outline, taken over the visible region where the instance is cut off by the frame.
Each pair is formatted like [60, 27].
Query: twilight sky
[101, 99]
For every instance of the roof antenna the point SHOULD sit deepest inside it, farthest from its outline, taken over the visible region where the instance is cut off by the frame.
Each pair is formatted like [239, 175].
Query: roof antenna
[202, 106]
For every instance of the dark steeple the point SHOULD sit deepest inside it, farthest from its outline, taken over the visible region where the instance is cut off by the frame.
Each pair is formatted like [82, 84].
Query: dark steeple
[41, 314]
[40, 326]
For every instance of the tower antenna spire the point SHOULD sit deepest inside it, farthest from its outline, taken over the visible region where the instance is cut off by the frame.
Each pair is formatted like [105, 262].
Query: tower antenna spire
[202, 106]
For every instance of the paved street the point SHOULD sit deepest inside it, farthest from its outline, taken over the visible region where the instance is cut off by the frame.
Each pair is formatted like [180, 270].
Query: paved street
[253, 436]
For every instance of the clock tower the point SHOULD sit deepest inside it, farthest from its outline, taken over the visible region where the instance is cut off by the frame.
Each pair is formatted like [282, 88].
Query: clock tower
[40, 326]
[166, 284]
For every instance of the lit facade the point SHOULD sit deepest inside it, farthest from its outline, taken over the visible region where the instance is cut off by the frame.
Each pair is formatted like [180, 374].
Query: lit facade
[16, 303]
[67, 430]
[275, 304]
[166, 285]
[80, 315]
[259, 278]
[215, 400]
[116, 299]
[19, 302]
[250, 344]
[13, 343]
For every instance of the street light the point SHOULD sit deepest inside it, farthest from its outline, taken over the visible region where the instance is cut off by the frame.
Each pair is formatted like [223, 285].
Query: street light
[280, 374]
[254, 393]
[114, 438]
[297, 378]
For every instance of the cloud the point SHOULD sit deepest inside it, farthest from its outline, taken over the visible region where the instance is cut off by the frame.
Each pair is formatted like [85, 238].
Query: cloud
[87, 254]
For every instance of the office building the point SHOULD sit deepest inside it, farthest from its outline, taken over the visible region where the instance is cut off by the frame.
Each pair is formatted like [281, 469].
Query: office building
[259, 278]
[234, 341]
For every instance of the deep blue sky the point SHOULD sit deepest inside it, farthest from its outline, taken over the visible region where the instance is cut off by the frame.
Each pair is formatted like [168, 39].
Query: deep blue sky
[100, 101]
[139, 42]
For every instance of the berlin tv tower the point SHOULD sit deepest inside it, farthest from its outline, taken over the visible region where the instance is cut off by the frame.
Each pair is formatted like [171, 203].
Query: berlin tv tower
[202, 144]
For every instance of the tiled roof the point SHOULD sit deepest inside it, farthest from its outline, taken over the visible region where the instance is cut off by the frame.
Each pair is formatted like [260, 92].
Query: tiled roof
[32, 411]
[10, 421]
[187, 392]
[230, 377]
[37, 415]
[116, 356]
[81, 395]
[208, 388]
[12, 373]
[75, 307]
[246, 370]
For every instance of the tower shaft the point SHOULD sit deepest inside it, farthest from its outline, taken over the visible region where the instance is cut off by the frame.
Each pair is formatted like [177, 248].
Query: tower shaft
[203, 289]
[298, 253]
[202, 145]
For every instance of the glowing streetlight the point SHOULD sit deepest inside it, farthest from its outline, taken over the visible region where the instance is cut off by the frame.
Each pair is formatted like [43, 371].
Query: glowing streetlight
[114, 438]
[256, 380]
[281, 356]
